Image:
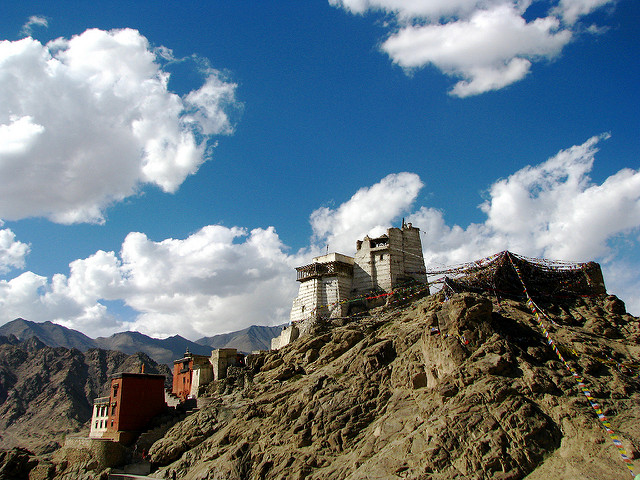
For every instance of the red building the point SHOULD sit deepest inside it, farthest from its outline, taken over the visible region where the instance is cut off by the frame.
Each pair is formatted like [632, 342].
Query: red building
[134, 399]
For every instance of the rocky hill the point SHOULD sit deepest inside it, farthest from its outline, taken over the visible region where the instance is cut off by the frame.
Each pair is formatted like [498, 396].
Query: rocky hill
[46, 392]
[464, 387]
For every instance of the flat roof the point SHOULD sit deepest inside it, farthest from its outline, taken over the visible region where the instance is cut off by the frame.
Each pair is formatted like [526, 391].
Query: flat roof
[334, 257]
[136, 375]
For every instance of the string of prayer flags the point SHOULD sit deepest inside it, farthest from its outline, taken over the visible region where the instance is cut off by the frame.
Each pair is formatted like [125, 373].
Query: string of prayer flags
[580, 381]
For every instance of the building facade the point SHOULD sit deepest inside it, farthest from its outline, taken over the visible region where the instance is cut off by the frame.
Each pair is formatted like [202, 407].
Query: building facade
[389, 261]
[323, 284]
[134, 399]
[100, 417]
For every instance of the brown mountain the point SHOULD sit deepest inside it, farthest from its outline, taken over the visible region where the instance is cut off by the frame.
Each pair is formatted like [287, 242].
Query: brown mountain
[164, 350]
[47, 392]
[49, 333]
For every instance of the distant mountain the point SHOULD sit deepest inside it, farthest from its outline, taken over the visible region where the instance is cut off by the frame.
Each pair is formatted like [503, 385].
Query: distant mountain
[255, 337]
[47, 392]
[161, 350]
[49, 333]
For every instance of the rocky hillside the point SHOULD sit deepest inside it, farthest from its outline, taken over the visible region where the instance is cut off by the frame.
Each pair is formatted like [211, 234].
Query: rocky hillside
[46, 393]
[465, 387]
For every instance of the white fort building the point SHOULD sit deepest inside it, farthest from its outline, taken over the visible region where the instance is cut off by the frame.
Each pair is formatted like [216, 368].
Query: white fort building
[381, 264]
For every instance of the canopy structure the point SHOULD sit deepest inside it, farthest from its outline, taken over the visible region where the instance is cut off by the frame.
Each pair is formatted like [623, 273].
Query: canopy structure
[543, 278]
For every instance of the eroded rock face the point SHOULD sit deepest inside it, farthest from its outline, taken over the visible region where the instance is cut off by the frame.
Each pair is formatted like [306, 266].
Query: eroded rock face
[16, 463]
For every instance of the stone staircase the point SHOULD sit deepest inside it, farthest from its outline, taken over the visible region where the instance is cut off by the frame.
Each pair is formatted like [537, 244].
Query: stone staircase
[178, 411]
[171, 398]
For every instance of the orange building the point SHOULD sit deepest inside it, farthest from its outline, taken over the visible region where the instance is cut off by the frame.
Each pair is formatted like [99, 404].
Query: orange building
[134, 399]
[185, 384]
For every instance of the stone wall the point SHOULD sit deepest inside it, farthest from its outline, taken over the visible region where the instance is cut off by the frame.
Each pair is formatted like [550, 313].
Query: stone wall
[104, 452]
[319, 294]
[288, 335]
[383, 263]
[221, 359]
[201, 376]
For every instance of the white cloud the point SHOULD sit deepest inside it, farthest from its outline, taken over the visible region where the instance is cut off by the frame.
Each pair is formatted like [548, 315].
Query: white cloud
[17, 136]
[410, 9]
[34, 21]
[572, 10]
[12, 251]
[486, 44]
[369, 211]
[550, 210]
[490, 50]
[218, 279]
[85, 122]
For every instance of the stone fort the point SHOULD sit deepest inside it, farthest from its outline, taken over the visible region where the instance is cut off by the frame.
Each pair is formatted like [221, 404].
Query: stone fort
[380, 264]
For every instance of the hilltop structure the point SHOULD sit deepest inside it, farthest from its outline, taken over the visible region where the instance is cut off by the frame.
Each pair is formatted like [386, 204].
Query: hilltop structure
[380, 265]
[189, 373]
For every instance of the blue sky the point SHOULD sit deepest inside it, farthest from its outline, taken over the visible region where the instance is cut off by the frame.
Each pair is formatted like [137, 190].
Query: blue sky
[165, 165]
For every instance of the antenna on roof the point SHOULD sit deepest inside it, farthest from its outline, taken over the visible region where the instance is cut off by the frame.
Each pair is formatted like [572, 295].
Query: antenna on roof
[404, 225]
[327, 249]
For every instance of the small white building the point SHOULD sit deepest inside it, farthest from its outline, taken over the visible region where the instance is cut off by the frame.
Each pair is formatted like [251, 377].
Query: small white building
[100, 417]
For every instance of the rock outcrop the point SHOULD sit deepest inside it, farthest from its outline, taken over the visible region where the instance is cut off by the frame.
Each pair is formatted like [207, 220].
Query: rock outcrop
[465, 387]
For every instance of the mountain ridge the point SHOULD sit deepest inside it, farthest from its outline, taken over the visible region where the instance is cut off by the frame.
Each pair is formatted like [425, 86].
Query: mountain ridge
[164, 350]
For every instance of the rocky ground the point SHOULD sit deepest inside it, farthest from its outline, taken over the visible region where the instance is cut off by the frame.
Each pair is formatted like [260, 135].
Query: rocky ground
[465, 387]
[460, 388]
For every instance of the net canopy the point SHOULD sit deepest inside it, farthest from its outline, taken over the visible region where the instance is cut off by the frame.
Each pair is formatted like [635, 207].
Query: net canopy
[542, 277]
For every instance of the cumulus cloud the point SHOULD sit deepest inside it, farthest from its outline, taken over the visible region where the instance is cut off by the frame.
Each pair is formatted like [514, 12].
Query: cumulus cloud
[486, 44]
[489, 51]
[86, 121]
[218, 279]
[550, 210]
[12, 251]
